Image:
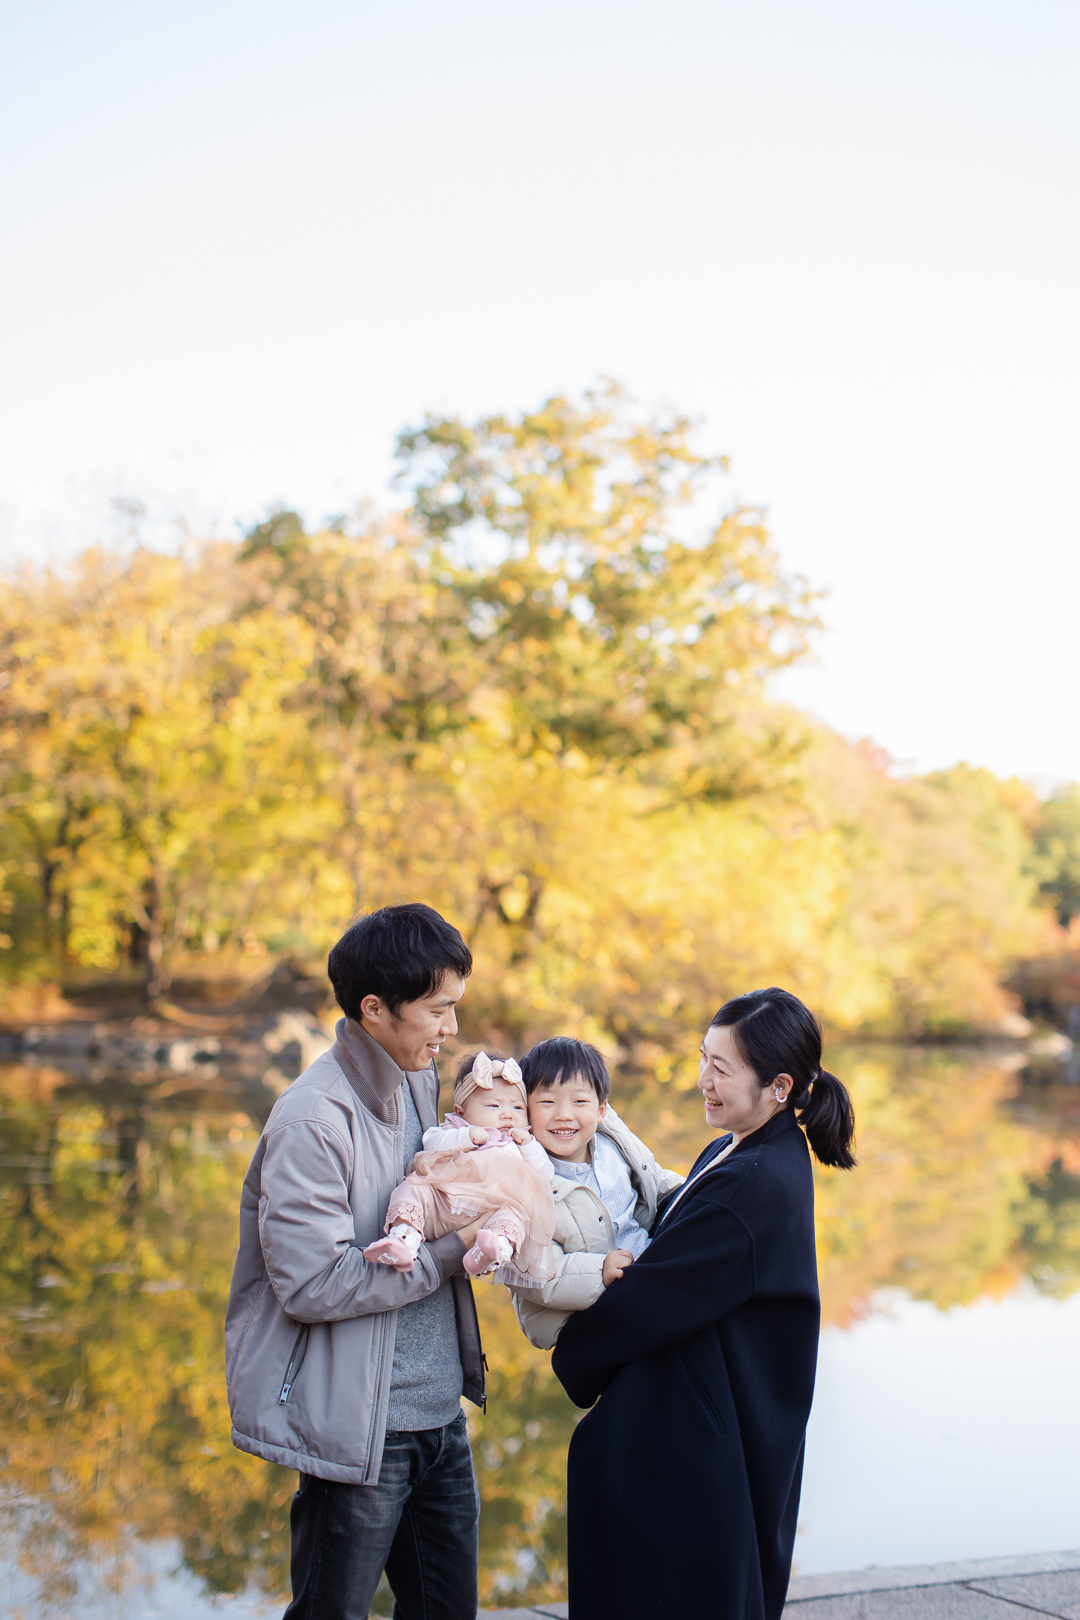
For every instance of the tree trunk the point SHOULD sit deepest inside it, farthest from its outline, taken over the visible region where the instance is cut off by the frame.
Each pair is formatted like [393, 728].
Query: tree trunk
[148, 938]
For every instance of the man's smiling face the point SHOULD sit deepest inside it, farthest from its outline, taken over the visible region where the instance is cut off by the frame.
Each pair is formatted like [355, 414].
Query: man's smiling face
[414, 1037]
[564, 1117]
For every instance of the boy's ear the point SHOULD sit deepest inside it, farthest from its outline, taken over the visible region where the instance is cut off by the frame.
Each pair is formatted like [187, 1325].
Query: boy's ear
[602, 1110]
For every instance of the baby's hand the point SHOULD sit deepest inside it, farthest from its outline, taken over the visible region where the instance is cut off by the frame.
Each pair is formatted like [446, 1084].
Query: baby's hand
[477, 1135]
[615, 1264]
[519, 1135]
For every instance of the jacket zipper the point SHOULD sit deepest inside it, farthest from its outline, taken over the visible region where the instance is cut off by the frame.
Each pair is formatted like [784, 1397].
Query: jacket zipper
[296, 1361]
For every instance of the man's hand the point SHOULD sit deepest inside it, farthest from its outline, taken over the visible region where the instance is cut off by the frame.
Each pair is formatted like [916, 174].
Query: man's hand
[520, 1136]
[477, 1135]
[615, 1264]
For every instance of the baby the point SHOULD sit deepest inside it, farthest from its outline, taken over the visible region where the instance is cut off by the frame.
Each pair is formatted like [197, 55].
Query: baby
[480, 1164]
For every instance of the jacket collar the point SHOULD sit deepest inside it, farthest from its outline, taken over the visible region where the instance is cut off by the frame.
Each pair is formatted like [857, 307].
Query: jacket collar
[616, 1130]
[369, 1069]
[779, 1123]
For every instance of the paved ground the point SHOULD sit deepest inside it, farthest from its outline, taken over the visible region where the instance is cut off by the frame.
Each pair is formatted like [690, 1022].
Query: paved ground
[978, 1589]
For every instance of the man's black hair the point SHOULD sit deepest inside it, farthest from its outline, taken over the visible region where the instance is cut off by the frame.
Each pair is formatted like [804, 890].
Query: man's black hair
[549, 1063]
[398, 954]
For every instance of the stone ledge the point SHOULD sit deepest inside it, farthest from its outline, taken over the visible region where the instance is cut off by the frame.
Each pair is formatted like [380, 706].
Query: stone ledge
[967, 1589]
[875, 1579]
[546, 1611]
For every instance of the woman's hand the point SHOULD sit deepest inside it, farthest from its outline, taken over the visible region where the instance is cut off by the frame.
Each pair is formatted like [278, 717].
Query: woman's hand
[615, 1264]
[477, 1135]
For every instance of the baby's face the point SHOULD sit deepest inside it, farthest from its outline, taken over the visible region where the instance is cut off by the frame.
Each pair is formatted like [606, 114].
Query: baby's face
[500, 1108]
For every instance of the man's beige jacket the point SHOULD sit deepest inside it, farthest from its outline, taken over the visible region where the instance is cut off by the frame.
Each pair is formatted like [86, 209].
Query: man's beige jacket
[584, 1234]
[309, 1334]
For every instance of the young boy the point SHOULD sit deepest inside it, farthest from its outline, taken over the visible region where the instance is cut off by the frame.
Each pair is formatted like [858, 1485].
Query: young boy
[606, 1183]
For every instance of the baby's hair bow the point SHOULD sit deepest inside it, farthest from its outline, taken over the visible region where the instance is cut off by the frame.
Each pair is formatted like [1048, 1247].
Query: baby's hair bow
[485, 1071]
[483, 1074]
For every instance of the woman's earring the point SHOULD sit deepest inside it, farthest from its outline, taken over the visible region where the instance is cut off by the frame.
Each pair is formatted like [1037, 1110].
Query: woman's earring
[778, 1093]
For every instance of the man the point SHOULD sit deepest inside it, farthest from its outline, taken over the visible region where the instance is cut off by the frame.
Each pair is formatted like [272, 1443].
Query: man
[348, 1371]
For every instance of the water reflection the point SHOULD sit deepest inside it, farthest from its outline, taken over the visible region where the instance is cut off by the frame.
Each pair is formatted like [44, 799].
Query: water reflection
[944, 1434]
[118, 1204]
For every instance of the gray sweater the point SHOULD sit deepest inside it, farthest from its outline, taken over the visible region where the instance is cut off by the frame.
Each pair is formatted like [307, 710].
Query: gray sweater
[425, 1385]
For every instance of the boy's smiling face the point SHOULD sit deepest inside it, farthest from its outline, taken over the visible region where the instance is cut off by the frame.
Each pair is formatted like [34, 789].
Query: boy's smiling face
[563, 1118]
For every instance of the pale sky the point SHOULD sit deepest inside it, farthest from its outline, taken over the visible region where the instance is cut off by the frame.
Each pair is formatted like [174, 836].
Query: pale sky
[244, 242]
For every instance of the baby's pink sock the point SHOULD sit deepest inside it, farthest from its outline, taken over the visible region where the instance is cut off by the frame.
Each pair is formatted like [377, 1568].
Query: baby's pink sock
[490, 1250]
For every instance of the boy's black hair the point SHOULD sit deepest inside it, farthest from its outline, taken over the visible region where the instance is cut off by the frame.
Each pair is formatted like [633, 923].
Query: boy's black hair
[398, 954]
[549, 1063]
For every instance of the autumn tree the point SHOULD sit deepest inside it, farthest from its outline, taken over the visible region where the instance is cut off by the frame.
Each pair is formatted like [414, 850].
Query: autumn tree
[1057, 851]
[612, 624]
[144, 753]
[538, 699]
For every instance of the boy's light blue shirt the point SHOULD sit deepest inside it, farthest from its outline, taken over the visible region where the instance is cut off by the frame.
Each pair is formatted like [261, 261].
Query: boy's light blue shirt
[609, 1177]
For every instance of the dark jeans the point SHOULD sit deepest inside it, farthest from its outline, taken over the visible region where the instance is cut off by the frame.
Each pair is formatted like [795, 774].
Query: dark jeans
[418, 1523]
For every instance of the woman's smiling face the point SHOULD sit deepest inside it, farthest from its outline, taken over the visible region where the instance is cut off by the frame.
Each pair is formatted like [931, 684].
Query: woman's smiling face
[735, 1099]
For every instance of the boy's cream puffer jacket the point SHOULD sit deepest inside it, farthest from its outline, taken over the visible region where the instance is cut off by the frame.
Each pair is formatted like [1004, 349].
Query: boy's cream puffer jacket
[584, 1234]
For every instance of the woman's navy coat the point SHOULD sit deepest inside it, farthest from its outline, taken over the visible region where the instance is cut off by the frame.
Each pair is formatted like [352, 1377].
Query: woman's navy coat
[683, 1481]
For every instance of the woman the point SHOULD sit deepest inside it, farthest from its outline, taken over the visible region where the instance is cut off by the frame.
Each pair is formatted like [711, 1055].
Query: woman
[683, 1482]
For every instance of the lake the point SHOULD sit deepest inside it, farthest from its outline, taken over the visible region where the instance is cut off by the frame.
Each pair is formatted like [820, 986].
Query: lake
[945, 1423]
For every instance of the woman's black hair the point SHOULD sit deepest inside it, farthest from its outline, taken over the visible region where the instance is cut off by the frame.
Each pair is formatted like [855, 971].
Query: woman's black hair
[399, 954]
[776, 1034]
[551, 1062]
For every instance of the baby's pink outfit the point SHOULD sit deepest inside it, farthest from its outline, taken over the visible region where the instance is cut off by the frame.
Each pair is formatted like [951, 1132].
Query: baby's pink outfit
[505, 1187]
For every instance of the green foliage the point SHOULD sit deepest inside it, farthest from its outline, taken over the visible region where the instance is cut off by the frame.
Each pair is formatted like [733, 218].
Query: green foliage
[1057, 852]
[1050, 1229]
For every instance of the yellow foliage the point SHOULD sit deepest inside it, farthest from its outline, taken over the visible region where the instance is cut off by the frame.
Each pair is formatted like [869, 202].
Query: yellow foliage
[536, 704]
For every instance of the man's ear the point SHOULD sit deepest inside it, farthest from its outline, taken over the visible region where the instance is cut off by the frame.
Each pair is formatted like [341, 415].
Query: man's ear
[371, 1007]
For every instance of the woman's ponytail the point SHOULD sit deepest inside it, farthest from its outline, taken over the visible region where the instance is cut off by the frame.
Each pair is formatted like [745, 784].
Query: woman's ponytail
[828, 1119]
[778, 1035]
